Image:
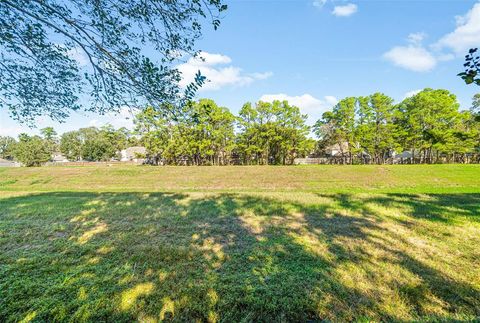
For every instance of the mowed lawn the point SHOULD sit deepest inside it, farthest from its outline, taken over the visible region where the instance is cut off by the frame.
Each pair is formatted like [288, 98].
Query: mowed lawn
[250, 244]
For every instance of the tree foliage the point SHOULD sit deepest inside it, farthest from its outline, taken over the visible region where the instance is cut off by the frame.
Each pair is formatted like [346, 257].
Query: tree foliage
[472, 67]
[129, 49]
[93, 144]
[373, 129]
[31, 150]
[476, 104]
[272, 133]
[7, 147]
[203, 136]
[428, 127]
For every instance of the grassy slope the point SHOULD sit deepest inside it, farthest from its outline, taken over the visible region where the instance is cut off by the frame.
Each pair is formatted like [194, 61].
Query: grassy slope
[335, 179]
[232, 243]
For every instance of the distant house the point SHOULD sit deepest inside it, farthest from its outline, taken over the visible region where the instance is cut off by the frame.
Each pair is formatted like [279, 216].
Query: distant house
[404, 155]
[136, 154]
[59, 158]
[8, 163]
[336, 149]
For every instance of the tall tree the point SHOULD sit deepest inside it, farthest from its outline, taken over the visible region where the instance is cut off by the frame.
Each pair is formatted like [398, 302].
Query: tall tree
[430, 119]
[50, 136]
[338, 127]
[129, 49]
[92, 144]
[379, 136]
[71, 145]
[31, 150]
[211, 131]
[248, 140]
[272, 133]
[154, 132]
[7, 147]
[204, 135]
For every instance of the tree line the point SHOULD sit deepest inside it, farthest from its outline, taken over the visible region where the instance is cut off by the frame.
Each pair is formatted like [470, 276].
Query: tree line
[86, 144]
[364, 130]
[429, 125]
[262, 133]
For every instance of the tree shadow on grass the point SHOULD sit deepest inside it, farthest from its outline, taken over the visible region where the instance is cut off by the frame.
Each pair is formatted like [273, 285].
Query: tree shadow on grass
[235, 257]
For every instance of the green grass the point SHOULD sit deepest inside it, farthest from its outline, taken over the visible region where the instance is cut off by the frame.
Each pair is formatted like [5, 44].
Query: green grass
[390, 243]
[333, 179]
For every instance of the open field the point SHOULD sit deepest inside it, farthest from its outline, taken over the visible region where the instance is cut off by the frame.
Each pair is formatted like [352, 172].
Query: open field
[313, 178]
[125, 243]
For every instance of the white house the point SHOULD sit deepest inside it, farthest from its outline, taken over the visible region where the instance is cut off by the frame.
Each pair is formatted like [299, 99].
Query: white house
[136, 154]
[337, 149]
[59, 158]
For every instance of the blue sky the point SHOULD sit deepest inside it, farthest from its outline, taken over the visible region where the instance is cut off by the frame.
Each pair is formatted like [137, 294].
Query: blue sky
[314, 52]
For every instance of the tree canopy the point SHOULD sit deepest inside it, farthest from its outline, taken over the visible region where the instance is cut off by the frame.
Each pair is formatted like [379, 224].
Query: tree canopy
[93, 144]
[7, 147]
[373, 128]
[129, 49]
[31, 150]
[472, 67]
[428, 127]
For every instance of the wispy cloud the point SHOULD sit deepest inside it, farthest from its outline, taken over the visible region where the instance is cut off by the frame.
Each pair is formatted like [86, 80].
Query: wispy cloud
[419, 58]
[219, 72]
[307, 103]
[412, 57]
[345, 11]
[466, 33]
[78, 56]
[409, 94]
[319, 3]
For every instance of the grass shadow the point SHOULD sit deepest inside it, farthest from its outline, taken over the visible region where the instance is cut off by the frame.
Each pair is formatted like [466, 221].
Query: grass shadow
[238, 257]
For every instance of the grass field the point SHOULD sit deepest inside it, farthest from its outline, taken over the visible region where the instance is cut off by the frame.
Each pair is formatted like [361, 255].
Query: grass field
[263, 244]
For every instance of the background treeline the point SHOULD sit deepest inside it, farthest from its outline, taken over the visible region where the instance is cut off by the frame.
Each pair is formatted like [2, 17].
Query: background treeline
[428, 125]
[86, 144]
[425, 128]
[263, 133]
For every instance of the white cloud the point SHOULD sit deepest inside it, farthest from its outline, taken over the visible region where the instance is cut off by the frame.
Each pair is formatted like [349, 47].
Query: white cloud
[307, 103]
[262, 76]
[340, 10]
[416, 38]
[217, 76]
[319, 3]
[79, 56]
[418, 58]
[445, 57]
[95, 123]
[411, 93]
[465, 35]
[208, 59]
[345, 11]
[13, 131]
[412, 57]
[124, 118]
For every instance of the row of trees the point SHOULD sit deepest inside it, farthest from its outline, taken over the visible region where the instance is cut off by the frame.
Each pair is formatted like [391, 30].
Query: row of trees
[267, 133]
[93, 144]
[429, 125]
[29, 150]
[371, 129]
[89, 144]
